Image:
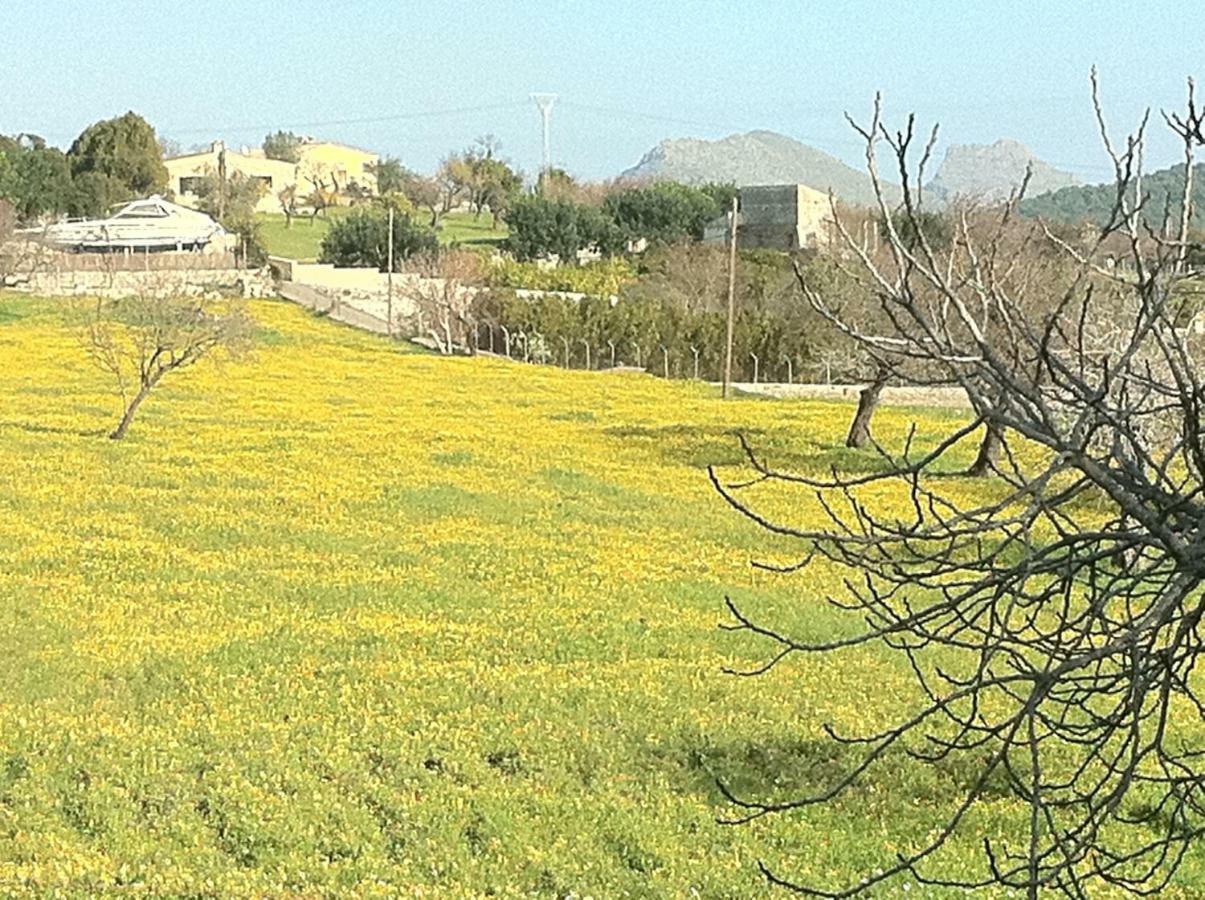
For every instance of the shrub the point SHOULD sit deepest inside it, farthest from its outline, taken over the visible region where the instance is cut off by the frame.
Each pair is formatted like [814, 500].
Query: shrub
[601, 279]
[362, 239]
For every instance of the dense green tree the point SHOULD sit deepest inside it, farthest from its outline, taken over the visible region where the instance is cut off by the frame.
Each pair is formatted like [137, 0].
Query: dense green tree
[42, 182]
[362, 239]
[91, 194]
[721, 194]
[8, 173]
[541, 227]
[283, 145]
[665, 212]
[126, 151]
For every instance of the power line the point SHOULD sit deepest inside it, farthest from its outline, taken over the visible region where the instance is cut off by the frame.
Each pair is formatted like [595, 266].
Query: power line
[364, 120]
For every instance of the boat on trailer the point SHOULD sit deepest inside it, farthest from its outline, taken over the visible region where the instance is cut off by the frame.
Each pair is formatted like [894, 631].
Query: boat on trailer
[150, 224]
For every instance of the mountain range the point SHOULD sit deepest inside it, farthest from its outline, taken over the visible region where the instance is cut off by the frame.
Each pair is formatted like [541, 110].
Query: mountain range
[990, 172]
[983, 172]
[757, 157]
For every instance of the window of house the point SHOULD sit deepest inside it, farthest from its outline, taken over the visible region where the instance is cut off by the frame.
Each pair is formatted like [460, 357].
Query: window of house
[190, 184]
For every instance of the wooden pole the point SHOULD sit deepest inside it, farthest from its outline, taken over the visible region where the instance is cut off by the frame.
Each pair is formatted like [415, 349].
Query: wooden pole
[731, 301]
[389, 280]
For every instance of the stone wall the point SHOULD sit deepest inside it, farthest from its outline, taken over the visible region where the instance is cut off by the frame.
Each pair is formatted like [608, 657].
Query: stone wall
[182, 282]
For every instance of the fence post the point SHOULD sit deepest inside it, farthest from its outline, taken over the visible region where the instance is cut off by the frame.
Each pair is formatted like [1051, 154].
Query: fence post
[695, 351]
[611, 344]
[756, 364]
[665, 360]
[790, 370]
[637, 346]
[506, 339]
[565, 341]
[586, 344]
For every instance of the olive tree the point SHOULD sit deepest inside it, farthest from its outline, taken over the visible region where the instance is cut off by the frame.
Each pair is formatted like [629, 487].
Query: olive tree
[141, 340]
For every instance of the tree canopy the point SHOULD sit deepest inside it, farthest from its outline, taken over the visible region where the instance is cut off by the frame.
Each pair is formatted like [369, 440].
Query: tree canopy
[540, 226]
[664, 212]
[126, 152]
[362, 239]
[283, 145]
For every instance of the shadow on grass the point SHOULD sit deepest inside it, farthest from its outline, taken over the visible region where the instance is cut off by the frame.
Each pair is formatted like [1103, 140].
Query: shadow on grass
[783, 449]
[35, 428]
[778, 770]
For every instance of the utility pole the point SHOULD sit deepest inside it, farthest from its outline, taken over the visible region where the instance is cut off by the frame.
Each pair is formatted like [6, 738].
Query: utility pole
[221, 180]
[389, 280]
[731, 299]
[544, 102]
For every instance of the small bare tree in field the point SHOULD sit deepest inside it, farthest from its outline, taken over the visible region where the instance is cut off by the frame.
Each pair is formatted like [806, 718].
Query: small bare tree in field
[443, 288]
[1053, 628]
[141, 340]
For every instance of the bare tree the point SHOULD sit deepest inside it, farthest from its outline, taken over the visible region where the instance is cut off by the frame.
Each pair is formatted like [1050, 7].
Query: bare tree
[1052, 629]
[443, 289]
[140, 340]
[288, 203]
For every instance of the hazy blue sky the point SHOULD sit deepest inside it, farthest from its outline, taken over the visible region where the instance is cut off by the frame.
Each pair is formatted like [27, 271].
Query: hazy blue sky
[629, 74]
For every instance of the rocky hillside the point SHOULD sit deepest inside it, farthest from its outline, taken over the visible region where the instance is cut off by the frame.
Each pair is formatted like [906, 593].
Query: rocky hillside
[758, 157]
[989, 172]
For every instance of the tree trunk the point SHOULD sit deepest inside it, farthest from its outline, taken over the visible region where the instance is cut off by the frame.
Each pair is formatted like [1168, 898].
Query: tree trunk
[868, 402]
[989, 452]
[127, 418]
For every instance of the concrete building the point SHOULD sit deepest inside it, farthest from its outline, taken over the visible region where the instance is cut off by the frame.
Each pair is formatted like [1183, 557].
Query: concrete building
[778, 217]
[335, 168]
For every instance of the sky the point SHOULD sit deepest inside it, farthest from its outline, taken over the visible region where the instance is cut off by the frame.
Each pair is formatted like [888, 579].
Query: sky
[418, 81]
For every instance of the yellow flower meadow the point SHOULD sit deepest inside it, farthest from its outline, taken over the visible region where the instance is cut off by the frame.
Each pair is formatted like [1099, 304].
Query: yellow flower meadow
[343, 619]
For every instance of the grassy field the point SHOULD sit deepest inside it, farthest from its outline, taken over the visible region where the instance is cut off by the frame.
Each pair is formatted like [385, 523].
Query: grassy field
[348, 620]
[304, 239]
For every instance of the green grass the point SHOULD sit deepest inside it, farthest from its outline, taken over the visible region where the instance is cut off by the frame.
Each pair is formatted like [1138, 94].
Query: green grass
[466, 228]
[303, 241]
[342, 621]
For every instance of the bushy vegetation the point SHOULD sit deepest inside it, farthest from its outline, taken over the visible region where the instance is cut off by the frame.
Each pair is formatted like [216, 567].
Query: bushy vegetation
[361, 238]
[554, 223]
[421, 626]
[665, 314]
[600, 279]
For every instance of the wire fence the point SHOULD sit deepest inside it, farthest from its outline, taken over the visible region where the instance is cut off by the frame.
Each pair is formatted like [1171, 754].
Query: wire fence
[649, 355]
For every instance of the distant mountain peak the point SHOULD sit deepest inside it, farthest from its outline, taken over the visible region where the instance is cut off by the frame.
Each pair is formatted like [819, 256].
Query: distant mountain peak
[754, 157]
[990, 172]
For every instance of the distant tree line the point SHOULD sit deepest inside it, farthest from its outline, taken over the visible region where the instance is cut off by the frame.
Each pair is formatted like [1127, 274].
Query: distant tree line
[1097, 203]
[554, 221]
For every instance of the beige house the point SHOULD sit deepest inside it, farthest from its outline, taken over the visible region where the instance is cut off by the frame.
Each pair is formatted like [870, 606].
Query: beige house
[340, 165]
[333, 168]
[778, 217]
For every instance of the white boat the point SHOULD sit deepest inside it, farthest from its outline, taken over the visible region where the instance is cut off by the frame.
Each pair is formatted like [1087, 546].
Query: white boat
[150, 224]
